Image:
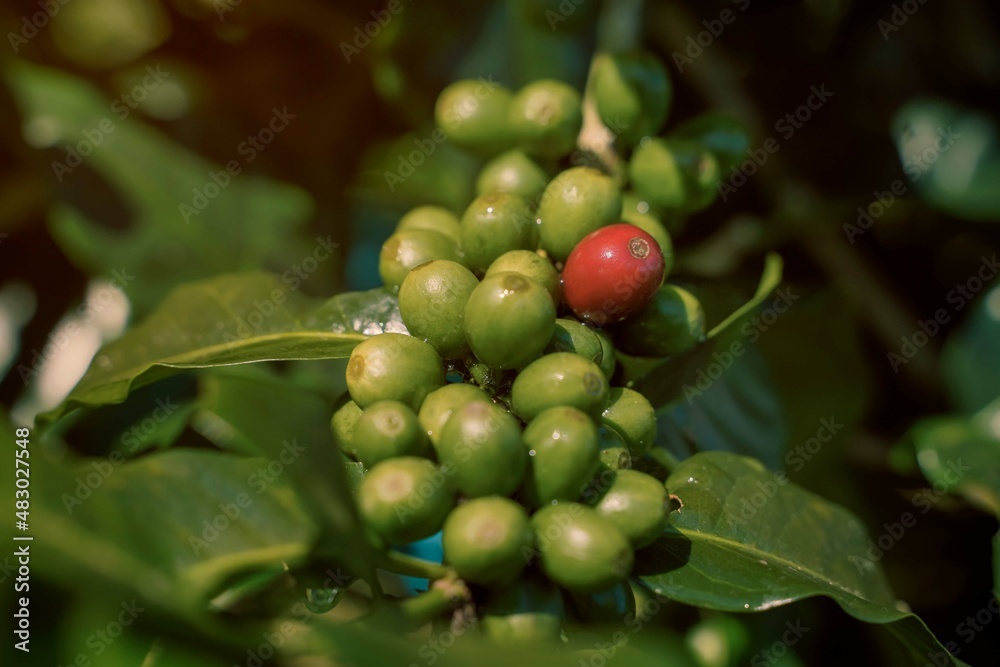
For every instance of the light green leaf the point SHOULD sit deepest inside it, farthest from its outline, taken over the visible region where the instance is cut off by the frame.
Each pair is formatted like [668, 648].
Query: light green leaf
[227, 320]
[748, 540]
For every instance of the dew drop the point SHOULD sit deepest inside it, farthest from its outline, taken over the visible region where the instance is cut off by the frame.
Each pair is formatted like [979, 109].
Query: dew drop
[322, 600]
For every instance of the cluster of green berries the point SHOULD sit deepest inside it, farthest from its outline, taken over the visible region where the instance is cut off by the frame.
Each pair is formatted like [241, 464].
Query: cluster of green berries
[495, 420]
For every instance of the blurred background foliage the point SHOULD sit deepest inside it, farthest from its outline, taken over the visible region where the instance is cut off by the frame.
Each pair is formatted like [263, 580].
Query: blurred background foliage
[168, 92]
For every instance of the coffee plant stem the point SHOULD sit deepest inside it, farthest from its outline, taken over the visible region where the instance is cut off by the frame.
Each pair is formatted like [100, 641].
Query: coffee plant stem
[443, 595]
[393, 561]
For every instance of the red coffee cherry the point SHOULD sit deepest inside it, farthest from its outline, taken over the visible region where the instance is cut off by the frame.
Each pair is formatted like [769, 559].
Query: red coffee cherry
[612, 273]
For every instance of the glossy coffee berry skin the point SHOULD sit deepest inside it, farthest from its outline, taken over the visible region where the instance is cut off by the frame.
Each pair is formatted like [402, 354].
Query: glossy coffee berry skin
[509, 320]
[585, 552]
[562, 448]
[638, 504]
[474, 114]
[387, 429]
[393, 367]
[432, 302]
[612, 273]
[531, 264]
[493, 224]
[672, 323]
[485, 539]
[346, 414]
[404, 499]
[559, 379]
[430, 218]
[481, 448]
[632, 93]
[409, 248]
[546, 117]
[514, 172]
[675, 174]
[439, 405]
[632, 416]
[572, 336]
[577, 202]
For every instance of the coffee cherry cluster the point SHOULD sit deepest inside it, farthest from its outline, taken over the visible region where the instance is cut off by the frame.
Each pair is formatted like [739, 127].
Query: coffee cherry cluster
[495, 420]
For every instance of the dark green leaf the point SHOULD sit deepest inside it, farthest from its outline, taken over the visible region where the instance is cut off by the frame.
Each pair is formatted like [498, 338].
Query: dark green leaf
[738, 412]
[232, 319]
[161, 245]
[171, 527]
[748, 540]
[664, 382]
[970, 360]
[291, 425]
[769, 281]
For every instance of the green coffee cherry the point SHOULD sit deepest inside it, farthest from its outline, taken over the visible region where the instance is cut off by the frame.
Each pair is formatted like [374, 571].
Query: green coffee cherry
[529, 264]
[632, 94]
[638, 212]
[610, 607]
[527, 612]
[493, 224]
[432, 302]
[409, 248]
[614, 454]
[439, 405]
[485, 540]
[674, 174]
[393, 367]
[345, 418]
[385, 430]
[481, 448]
[404, 499]
[721, 133]
[563, 455]
[672, 323]
[608, 360]
[509, 320]
[580, 550]
[560, 378]
[633, 417]
[577, 202]
[430, 218]
[572, 336]
[513, 172]
[546, 117]
[638, 504]
[474, 114]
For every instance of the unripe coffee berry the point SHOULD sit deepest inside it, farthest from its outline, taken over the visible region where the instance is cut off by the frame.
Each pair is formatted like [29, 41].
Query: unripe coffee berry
[612, 273]
[481, 448]
[483, 539]
[509, 320]
[393, 367]
[405, 499]
[432, 302]
[531, 264]
[385, 430]
[432, 218]
[440, 403]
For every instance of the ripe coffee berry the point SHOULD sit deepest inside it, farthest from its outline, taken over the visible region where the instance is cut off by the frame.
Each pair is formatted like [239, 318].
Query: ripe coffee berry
[612, 273]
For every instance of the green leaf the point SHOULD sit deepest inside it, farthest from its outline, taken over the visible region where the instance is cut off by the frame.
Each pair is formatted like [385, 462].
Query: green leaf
[962, 455]
[232, 319]
[291, 425]
[172, 527]
[739, 412]
[970, 360]
[769, 281]
[151, 178]
[951, 155]
[748, 540]
[664, 382]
